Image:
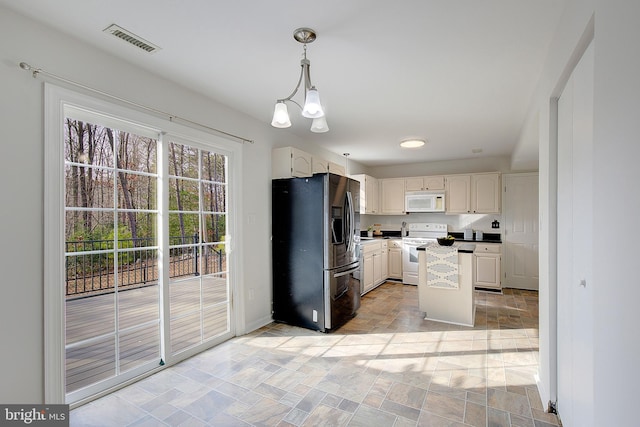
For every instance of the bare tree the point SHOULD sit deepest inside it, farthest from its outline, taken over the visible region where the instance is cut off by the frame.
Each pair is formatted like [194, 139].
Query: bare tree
[178, 172]
[124, 183]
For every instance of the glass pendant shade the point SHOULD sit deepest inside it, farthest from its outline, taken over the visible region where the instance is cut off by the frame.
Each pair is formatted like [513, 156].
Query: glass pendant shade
[319, 125]
[312, 108]
[281, 116]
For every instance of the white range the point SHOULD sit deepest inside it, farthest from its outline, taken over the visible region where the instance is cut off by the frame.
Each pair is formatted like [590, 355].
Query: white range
[419, 233]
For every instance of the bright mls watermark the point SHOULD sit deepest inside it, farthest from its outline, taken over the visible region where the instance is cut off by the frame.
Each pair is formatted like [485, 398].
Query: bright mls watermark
[36, 415]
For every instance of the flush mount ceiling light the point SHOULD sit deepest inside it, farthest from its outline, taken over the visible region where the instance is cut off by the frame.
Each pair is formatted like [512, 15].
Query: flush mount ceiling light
[312, 108]
[412, 143]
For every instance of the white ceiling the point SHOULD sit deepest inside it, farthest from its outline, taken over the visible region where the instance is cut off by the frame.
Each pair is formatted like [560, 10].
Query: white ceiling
[460, 73]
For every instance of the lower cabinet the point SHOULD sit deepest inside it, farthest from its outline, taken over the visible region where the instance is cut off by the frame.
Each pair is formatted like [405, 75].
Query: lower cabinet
[384, 261]
[367, 271]
[395, 259]
[486, 266]
[375, 264]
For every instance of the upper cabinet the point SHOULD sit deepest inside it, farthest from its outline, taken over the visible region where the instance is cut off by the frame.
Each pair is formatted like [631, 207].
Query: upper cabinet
[392, 196]
[485, 193]
[336, 168]
[476, 193]
[420, 183]
[369, 193]
[319, 165]
[458, 194]
[289, 162]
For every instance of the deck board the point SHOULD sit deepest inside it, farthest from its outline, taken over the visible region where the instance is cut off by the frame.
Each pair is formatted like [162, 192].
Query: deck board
[93, 316]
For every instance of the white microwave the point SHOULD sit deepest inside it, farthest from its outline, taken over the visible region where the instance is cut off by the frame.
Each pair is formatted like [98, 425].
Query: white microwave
[424, 201]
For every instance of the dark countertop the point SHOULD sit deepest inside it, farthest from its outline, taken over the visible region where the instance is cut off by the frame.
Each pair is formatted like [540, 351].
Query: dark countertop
[486, 237]
[459, 236]
[385, 235]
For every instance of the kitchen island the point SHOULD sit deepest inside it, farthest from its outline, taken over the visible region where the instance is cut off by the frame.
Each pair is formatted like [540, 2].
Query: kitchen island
[445, 283]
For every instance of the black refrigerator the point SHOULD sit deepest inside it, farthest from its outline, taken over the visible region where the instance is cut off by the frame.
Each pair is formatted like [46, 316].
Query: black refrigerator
[316, 248]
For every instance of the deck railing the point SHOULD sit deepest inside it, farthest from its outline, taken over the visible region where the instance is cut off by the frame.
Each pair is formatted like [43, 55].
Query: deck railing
[90, 270]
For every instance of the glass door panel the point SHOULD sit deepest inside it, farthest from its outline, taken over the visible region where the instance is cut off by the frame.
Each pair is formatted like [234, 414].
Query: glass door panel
[89, 362]
[198, 288]
[112, 316]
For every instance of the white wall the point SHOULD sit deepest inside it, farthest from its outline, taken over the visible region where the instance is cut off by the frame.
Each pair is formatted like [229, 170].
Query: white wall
[21, 171]
[616, 177]
[525, 155]
[615, 284]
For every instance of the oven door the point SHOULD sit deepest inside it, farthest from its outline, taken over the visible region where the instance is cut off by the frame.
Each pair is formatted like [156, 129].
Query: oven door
[410, 259]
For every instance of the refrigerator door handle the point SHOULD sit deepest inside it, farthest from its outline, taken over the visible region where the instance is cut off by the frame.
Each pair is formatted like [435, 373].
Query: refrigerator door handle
[351, 226]
[350, 271]
[333, 229]
[344, 273]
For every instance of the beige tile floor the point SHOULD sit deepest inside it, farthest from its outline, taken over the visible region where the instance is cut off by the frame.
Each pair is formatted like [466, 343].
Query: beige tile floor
[386, 367]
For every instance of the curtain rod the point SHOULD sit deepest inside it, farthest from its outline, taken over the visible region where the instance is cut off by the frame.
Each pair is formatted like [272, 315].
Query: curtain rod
[172, 117]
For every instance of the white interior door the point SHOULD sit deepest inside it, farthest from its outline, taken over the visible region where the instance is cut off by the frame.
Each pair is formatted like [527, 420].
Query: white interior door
[575, 257]
[520, 208]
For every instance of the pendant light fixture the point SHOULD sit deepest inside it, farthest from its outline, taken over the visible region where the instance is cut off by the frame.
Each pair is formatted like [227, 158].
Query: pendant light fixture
[312, 108]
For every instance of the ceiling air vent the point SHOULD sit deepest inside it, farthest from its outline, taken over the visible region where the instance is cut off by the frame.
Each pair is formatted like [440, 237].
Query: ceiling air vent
[131, 38]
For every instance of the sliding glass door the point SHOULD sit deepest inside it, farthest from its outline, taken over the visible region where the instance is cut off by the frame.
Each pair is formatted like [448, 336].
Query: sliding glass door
[144, 258]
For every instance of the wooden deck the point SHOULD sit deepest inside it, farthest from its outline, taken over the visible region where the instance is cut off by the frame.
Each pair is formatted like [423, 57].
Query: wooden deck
[91, 327]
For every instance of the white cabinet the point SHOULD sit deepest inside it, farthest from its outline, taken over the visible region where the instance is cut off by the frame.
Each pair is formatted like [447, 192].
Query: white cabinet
[375, 264]
[486, 265]
[458, 194]
[288, 162]
[485, 193]
[392, 196]
[367, 268]
[336, 168]
[371, 269]
[377, 268]
[372, 194]
[420, 183]
[395, 259]
[476, 193]
[434, 182]
[319, 165]
[384, 261]
[368, 194]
